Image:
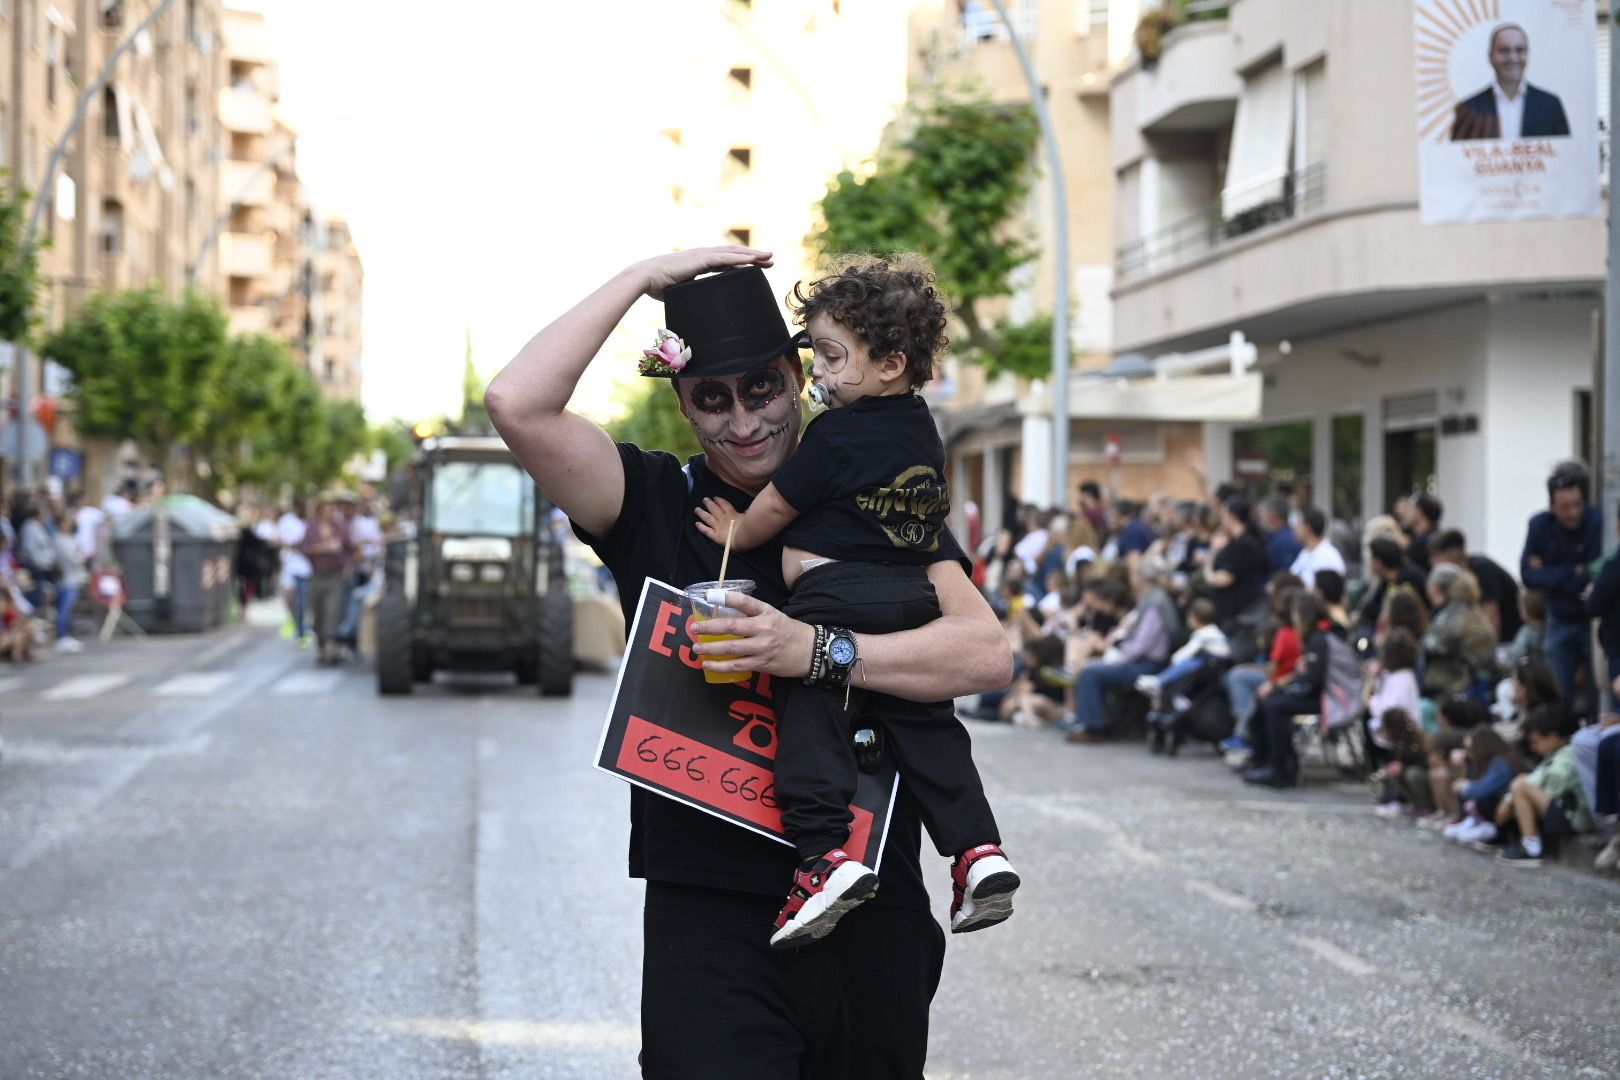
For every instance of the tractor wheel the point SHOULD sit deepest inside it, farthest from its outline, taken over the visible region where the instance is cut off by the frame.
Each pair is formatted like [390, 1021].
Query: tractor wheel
[394, 674]
[556, 663]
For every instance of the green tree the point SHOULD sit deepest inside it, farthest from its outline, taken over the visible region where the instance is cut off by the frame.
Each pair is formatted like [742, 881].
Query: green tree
[950, 189]
[474, 417]
[19, 267]
[394, 439]
[654, 420]
[243, 402]
[144, 369]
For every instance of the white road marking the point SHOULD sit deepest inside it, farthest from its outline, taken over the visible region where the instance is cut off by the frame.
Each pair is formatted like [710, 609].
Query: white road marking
[606, 1034]
[308, 683]
[194, 684]
[219, 649]
[1221, 896]
[1347, 962]
[8, 685]
[84, 686]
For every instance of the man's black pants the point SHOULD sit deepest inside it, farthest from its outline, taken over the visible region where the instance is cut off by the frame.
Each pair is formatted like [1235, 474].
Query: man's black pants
[815, 761]
[718, 1003]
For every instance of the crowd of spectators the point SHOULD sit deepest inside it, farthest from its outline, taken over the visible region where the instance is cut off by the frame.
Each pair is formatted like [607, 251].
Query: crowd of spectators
[321, 556]
[1472, 700]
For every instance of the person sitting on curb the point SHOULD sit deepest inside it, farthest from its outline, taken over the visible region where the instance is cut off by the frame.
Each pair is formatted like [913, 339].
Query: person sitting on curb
[1548, 802]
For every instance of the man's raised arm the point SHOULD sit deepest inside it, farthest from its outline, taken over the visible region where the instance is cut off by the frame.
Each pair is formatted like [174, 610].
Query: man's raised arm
[571, 458]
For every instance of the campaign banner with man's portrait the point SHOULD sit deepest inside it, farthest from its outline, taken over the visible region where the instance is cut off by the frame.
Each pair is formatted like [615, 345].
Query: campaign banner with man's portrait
[709, 745]
[1507, 109]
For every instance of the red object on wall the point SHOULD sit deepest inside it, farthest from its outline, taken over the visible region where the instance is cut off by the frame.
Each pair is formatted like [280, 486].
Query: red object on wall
[44, 410]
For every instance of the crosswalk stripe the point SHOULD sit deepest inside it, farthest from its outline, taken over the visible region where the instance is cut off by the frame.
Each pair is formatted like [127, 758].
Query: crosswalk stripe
[308, 683]
[84, 686]
[8, 685]
[194, 684]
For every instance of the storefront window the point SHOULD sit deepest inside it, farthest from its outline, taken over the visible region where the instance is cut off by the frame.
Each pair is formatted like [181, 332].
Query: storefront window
[1348, 438]
[1274, 460]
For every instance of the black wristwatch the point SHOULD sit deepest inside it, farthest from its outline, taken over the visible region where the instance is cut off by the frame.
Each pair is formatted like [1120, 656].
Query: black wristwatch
[841, 657]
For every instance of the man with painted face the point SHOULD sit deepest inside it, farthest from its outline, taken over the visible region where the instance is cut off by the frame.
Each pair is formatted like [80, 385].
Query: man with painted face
[717, 1001]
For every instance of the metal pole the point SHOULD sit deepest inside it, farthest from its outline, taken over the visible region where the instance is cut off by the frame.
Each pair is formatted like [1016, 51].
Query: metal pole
[1609, 471]
[43, 195]
[1060, 283]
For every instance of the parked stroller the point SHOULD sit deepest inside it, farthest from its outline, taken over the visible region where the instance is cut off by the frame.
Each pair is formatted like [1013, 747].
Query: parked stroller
[1193, 709]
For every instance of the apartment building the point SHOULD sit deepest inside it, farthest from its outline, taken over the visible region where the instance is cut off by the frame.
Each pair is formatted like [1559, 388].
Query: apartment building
[1268, 185]
[999, 432]
[132, 199]
[779, 98]
[338, 280]
[181, 176]
[275, 249]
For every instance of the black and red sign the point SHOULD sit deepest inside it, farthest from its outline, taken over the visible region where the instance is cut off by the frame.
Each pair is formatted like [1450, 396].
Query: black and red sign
[711, 745]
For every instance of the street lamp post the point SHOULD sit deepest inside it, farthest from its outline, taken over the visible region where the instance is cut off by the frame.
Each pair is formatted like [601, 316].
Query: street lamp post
[1060, 284]
[41, 196]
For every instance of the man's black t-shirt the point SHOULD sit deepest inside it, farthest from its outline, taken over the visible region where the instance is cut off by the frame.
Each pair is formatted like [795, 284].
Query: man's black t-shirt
[1245, 559]
[656, 536]
[868, 481]
[1496, 584]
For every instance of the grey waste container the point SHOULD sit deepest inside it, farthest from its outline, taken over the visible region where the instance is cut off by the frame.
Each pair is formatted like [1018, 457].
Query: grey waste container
[179, 562]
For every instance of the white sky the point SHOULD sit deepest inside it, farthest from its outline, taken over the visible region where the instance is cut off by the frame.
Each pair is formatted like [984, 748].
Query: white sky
[491, 160]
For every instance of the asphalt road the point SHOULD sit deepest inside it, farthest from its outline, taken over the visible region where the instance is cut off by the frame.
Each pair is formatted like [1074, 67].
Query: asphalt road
[219, 861]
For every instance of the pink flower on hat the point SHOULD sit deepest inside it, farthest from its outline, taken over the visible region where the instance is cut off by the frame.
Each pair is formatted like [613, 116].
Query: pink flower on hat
[667, 356]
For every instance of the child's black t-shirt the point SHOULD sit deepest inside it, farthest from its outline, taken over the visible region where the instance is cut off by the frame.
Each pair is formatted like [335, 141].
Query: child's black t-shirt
[868, 481]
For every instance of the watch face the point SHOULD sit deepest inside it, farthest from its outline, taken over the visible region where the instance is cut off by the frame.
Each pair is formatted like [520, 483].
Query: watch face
[842, 651]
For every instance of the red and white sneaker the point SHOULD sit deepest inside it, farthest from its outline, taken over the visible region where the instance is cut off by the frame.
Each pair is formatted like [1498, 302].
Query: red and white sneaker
[821, 896]
[983, 883]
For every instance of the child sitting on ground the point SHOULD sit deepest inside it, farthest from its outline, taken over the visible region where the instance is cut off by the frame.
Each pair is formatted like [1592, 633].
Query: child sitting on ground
[1207, 643]
[1406, 776]
[861, 506]
[1492, 765]
[1036, 695]
[1549, 802]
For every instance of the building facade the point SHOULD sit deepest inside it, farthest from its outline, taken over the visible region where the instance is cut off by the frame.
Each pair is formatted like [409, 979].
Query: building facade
[999, 432]
[180, 177]
[132, 198]
[752, 136]
[338, 280]
[1267, 178]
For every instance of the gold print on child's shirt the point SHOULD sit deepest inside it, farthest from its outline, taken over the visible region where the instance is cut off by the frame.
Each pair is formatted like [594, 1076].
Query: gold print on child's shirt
[913, 497]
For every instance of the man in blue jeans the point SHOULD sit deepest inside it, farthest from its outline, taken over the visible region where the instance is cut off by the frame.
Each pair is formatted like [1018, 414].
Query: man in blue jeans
[1144, 650]
[1562, 543]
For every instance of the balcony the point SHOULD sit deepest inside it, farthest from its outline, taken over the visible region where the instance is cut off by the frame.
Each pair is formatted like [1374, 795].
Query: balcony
[1197, 235]
[247, 255]
[245, 110]
[1194, 85]
[250, 320]
[1314, 261]
[244, 183]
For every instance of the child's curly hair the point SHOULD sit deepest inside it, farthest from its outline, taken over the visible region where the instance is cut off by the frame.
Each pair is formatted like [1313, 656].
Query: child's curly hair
[890, 301]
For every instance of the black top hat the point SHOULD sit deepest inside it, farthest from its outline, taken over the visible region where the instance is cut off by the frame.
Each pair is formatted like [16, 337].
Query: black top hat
[729, 320]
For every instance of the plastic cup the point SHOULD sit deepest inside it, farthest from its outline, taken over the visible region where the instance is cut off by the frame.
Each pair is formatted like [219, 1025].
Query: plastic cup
[708, 602]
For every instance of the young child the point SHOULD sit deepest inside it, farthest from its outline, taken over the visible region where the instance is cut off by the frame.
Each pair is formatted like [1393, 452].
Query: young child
[1406, 776]
[1549, 801]
[861, 506]
[1206, 643]
[1492, 765]
[1036, 697]
[1395, 686]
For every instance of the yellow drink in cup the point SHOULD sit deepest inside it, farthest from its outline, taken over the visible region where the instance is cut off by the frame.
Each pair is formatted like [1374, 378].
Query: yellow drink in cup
[708, 602]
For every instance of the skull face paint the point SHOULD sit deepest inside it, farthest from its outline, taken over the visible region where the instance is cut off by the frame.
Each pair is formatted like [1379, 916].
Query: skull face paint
[747, 424]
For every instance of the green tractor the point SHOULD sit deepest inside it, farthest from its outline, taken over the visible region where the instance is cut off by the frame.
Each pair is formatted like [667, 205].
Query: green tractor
[481, 585]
